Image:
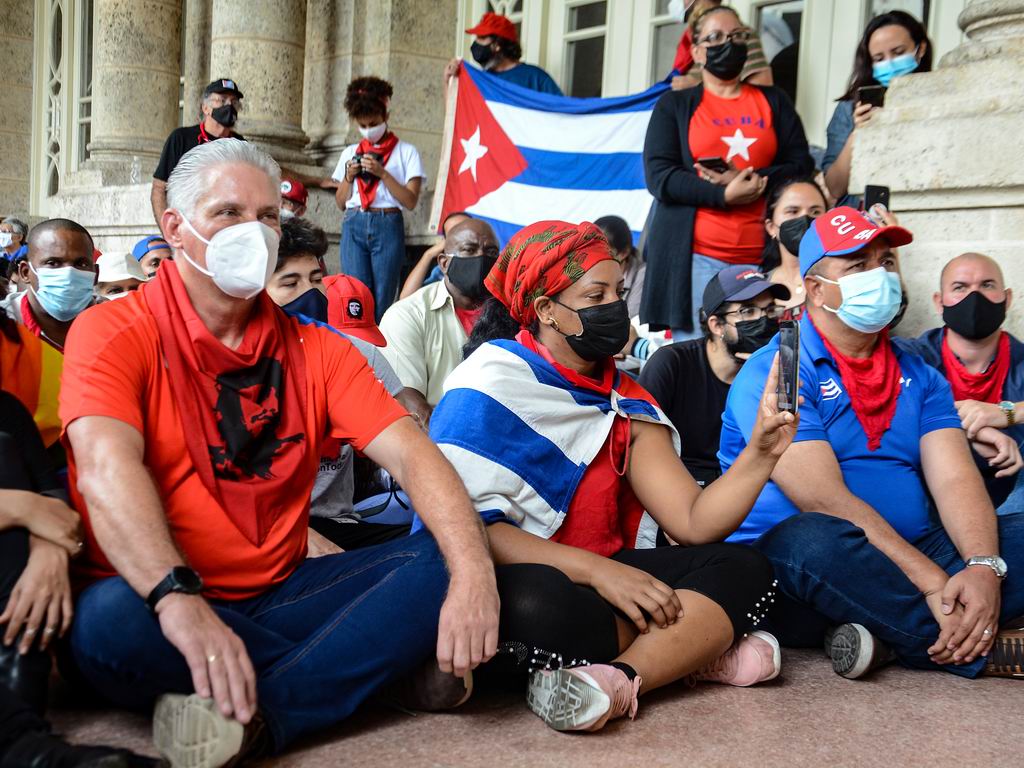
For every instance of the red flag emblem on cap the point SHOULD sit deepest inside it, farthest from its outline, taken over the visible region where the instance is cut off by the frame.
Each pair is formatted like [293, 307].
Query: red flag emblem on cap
[482, 155]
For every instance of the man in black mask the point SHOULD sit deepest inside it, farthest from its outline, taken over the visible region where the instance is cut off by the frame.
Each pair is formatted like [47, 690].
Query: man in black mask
[982, 363]
[496, 49]
[219, 110]
[691, 379]
[427, 330]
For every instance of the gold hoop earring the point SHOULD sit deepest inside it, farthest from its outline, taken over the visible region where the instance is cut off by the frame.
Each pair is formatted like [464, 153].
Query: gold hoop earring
[554, 323]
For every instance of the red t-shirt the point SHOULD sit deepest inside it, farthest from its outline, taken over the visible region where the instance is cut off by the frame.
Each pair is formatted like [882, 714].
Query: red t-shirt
[740, 131]
[113, 366]
[468, 318]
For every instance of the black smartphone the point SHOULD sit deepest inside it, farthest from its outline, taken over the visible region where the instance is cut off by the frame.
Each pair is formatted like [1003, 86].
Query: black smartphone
[872, 94]
[874, 195]
[789, 366]
[716, 164]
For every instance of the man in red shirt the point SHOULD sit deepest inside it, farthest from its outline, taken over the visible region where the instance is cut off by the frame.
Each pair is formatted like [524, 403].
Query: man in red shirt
[195, 413]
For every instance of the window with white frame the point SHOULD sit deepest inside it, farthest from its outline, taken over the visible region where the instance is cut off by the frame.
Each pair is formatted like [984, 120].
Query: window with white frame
[585, 36]
[512, 10]
[83, 118]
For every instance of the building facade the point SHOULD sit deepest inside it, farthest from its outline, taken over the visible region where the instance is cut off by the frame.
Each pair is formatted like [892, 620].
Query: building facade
[92, 88]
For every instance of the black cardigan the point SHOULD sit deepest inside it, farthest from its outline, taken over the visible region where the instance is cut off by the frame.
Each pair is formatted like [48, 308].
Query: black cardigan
[679, 192]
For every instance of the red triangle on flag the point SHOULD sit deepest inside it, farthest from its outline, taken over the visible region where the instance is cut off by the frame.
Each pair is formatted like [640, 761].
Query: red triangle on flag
[481, 157]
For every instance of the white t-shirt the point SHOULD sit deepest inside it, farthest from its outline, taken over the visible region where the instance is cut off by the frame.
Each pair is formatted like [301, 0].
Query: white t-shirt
[404, 164]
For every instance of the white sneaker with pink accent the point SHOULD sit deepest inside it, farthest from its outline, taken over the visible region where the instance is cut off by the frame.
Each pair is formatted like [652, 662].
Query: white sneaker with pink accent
[756, 658]
[583, 698]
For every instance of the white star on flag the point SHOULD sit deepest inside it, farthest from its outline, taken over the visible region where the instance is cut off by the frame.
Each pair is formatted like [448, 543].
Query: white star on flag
[474, 151]
[738, 145]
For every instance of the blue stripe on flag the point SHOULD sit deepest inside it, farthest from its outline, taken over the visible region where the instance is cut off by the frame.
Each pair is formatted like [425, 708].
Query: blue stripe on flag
[478, 423]
[545, 373]
[504, 230]
[582, 171]
[493, 88]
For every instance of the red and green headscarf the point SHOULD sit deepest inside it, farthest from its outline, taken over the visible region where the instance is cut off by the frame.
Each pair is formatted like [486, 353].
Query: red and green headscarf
[544, 259]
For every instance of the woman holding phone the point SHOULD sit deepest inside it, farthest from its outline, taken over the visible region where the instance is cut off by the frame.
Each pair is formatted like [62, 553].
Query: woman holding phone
[894, 44]
[706, 219]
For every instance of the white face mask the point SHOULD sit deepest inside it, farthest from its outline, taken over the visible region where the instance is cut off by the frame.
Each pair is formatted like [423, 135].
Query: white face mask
[6, 238]
[374, 133]
[240, 258]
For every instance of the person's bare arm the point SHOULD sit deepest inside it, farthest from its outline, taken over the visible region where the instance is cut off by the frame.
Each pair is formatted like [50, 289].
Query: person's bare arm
[837, 178]
[128, 522]
[468, 632]
[967, 515]
[48, 518]
[407, 194]
[158, 199]
[321, 182]
[416, 404]
[344, 189]
[419, 273]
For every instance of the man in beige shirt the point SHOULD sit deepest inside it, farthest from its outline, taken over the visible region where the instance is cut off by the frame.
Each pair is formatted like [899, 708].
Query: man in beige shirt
[426, 331]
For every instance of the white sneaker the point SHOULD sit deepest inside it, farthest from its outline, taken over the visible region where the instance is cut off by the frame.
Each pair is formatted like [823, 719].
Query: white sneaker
[191, 733]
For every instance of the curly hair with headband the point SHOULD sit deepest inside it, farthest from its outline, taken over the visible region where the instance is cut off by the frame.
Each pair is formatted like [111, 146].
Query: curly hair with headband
[368, 97]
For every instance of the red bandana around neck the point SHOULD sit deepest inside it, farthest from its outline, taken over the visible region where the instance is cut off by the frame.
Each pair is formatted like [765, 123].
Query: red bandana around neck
[243, 411]
[368, 189]
[873, 384]
[985, 387]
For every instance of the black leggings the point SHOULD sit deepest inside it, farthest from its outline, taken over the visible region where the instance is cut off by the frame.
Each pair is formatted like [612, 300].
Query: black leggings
[545, 616]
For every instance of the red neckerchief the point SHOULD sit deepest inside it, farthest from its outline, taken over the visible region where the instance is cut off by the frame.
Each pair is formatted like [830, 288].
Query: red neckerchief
[368, 189]
[243, 411]
[28, 319]
[873, 384]
[203, 135]
[985, 387]
[607, 374]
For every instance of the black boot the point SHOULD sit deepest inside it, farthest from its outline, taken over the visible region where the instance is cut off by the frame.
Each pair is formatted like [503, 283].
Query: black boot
[44, 750]
[26, 676]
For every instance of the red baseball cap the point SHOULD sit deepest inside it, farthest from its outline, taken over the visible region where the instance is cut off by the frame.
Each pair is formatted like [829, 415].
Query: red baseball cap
[350, 309]
[843, 231]
[495, 24]
[294, 191]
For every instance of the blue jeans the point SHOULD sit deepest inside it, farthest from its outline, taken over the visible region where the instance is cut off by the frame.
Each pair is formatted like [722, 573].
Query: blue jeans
[1014, 503]
[373, 250]
[338, 629]
[703, 269]
[828, 567]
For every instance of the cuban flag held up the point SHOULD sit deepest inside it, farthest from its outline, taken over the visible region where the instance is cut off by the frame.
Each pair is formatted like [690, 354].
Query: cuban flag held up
[512, 156]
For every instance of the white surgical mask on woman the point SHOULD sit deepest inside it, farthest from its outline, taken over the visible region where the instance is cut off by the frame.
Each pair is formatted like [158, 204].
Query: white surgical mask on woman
[374, 133]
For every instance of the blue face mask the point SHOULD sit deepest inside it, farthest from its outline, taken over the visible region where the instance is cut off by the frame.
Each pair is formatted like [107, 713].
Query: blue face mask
[870, 299]
[312, 304]
[885, 71]
[63, 292]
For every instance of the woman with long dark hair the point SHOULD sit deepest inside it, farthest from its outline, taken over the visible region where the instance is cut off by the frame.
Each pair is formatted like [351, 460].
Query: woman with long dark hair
[620, 237]
[894, 44]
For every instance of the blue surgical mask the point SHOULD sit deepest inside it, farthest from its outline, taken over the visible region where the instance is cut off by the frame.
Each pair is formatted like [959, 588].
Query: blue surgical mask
[885, 71]
[63, 292]
[870, 299]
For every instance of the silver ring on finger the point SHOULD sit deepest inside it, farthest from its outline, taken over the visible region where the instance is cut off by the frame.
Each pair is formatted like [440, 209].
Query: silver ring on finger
[49, 631]
[30, 631]
[987, 632]
[211, 658]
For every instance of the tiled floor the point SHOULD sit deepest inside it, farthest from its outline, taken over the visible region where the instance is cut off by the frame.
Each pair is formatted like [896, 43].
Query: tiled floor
[809, 717]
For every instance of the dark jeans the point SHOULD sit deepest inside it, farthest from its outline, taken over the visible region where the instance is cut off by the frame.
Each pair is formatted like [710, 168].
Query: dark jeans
[373, 250]
[833, 575]
[337, 630]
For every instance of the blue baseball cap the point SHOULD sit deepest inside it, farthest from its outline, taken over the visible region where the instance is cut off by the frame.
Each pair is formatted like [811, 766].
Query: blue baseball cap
[739, 282]
[843, 231]
[147, 244]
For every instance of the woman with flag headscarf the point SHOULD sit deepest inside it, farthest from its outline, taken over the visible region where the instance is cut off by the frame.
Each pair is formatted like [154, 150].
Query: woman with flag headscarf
[378, 177]
[562, 456]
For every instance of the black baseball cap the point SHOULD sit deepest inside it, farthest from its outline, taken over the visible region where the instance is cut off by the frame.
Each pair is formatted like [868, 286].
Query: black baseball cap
[738, 283]
[223, 86]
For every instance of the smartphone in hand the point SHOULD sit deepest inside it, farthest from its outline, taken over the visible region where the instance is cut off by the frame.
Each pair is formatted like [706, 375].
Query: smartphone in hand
[789, 366]
[875, 195]
[716, 164]
[872, 94]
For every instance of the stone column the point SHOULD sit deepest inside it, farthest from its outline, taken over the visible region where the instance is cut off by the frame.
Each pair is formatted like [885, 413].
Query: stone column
[949, 144]
[195, 58]
[16, 107]
[136, 50]
[261, 46]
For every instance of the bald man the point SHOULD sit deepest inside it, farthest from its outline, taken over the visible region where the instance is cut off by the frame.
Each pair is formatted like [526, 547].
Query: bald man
[58, 278]
[983, 363]
[427, 330]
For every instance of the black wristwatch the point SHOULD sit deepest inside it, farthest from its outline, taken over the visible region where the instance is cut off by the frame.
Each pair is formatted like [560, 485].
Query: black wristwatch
[180, 579]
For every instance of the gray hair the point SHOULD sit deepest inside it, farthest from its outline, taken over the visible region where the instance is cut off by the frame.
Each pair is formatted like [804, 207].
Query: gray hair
[188, 181]
[20, 226]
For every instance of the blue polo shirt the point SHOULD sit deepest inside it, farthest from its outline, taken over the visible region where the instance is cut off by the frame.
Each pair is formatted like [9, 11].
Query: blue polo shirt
[929, 346]
[889, 479]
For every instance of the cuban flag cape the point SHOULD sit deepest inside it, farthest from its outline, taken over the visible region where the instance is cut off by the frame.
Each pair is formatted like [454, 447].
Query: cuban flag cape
[512, 156]
[521, 436]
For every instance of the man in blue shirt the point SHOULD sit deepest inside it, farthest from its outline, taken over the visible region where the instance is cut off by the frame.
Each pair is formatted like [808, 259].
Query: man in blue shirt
[876, 518]
[496, 49]
[983, 364]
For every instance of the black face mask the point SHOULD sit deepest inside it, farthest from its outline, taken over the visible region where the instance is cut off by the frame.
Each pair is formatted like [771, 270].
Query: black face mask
[751, 335]
[312, 304]
[726, 61]
[792, 232]
[467, 274]
[975, 317]
[226, 115]
[605, 330]
[482, 54]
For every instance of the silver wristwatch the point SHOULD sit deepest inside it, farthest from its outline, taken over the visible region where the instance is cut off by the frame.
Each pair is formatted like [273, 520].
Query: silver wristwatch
[996, 563]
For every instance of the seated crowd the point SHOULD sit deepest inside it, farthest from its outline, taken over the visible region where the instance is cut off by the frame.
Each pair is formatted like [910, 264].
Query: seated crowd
[229, 498]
